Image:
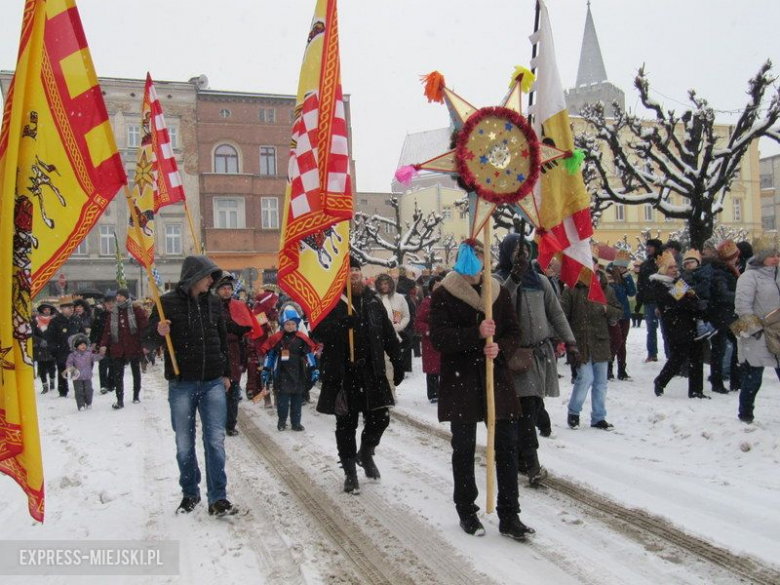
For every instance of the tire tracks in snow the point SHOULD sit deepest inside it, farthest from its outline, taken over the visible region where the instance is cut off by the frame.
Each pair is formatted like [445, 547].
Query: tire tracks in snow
[657, 535]
[385, 534]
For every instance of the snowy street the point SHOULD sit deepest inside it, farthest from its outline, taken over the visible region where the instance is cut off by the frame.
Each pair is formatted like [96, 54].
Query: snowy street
[685, 465]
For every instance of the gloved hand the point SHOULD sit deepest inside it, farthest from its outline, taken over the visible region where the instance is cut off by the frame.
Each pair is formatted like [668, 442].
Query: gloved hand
[573, 355]
[315, 375]
[266, 377]
[398, 375]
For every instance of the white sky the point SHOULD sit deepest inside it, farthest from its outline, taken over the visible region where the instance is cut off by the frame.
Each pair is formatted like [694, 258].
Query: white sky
[714, 46]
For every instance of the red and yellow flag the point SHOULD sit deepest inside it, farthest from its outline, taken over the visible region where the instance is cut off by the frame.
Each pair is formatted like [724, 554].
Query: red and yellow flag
[59, 169]
[314, 255]
[157, 181]
[563, 205]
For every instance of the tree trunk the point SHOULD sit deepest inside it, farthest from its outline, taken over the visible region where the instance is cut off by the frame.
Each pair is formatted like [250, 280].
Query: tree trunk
[700, 224]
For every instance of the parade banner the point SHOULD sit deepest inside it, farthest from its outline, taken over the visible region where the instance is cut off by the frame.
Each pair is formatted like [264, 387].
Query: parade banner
[314, 254]
[59, 169]
[562, 203]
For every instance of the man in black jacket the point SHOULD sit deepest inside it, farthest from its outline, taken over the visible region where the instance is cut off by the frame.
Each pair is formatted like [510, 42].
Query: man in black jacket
[197, 329]
[646, 296]
[349, 388]
[105, 366]
[61, 329]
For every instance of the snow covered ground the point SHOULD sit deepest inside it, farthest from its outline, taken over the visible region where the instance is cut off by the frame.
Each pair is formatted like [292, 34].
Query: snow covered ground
[113, 476]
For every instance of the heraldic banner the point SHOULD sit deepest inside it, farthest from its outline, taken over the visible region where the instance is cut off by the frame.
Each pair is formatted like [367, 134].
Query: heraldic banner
[314, 254]
[59, 169]
[562, 203]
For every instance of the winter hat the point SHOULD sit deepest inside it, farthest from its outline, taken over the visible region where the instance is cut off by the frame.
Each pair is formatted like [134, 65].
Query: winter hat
[109, 297]
[78, 339]
[290, 314]
[354, 262]
[692, 254]
[765, 246]
[745, 250]
[674, 245]
[505, 250]
[226, 279]
[727, 250]
[46, 304]
[124, 292]
[664, 261]
[622, 259]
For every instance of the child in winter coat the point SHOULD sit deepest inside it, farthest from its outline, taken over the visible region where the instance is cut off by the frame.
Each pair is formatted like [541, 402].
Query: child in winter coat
[81, 359]
[288, 355]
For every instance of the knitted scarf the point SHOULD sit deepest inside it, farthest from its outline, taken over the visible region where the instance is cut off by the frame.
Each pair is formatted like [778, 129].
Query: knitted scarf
[128, 306]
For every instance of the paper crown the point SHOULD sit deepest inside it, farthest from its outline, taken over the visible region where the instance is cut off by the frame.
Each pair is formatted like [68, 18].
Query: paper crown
[622, 259]
[664, 261]
[692, 254]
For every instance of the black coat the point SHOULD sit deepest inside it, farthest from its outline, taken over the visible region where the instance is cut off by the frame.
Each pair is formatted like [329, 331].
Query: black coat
[646, 292]
[61, 329]
[198, 331]
[679, 317]
[721, 302]
[374, 336]
[100, 319]
[41, 349]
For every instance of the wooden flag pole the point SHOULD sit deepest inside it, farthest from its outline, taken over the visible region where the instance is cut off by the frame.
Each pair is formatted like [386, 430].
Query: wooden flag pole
[195, 240]
[487, 291]
[150, 276]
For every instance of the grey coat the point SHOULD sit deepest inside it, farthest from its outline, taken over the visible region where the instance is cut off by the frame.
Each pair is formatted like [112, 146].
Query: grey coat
[758, 293]
[541, 321]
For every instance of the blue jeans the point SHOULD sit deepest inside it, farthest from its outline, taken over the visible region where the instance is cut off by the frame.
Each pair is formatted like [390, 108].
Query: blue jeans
[593, 376]
[208, 398]
[751, 384]
[289, 403]
[652, 326]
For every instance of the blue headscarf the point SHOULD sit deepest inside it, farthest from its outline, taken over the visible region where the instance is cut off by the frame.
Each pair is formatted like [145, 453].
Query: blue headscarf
[468, 263]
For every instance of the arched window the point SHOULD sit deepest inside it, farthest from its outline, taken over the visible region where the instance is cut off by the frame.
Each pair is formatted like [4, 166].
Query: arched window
[225, 159]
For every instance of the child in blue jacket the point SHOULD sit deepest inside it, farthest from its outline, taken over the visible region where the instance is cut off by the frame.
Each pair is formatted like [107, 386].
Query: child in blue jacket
[290, 359]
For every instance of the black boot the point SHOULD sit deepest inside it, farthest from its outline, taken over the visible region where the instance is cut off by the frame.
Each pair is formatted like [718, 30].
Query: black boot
[622, 374]
[534, 470]
[659, 390]
[351, 484]
[610, 373]
[513, 528]
[365, 458]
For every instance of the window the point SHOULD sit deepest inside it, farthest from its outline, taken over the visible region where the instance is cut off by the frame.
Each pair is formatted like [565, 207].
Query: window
[173, 133]
[649, 215]
[133, 135]
[620, 212]
[225, 159]
[268, 115]
[364, 202]
[173, 238]
[270, 213]
[389, 228]
[107, 241]
[737, 209]
[131, 177]
[766, 181]
[446, 213]
[225, 113]
[268, 160]
[229, 212]
[81, 249]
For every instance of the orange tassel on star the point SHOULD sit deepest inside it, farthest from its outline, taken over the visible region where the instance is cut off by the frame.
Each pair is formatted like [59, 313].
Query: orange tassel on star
[434, 87]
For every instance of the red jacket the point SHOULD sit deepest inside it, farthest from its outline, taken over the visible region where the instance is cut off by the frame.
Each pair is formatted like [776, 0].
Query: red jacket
[129, 345]
[431, 359]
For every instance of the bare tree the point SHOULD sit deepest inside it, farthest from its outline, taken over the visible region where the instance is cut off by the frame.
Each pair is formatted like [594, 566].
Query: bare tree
[677, 155]
[371, 232]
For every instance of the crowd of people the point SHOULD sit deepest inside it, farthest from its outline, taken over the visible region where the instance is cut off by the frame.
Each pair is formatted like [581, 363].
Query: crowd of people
[719, 305]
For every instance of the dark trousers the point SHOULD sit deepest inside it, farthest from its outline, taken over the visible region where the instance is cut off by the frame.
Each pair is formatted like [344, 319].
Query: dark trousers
[374, 424]
[543, 418]
[527, 441]
[233, 398]
[106, 373]
[83, 391]
[718, 344]
[62, 382]
[119, 378]
[680, 353]
[751, 384]
[47, 371]
[432, 381]
[464, 444]
[617, 342]
[289, 403]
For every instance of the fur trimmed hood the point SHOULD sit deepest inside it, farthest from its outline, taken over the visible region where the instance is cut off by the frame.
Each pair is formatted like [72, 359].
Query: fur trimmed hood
[457, 286]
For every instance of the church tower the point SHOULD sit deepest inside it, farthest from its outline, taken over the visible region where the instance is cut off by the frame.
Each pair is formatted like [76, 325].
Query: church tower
[592, 85]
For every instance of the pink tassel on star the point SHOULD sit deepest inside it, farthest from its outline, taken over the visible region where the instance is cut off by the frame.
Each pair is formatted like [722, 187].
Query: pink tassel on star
[405, 175]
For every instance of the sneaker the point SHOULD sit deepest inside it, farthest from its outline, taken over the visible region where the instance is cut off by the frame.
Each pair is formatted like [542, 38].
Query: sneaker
[537, 476]
[573, 421]
[188, 504]
[117, 406]
[231, 432]
[720, 390]
[603, 425]
[471, 525]
[298, 428]
[513, 528]
[222, 508]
